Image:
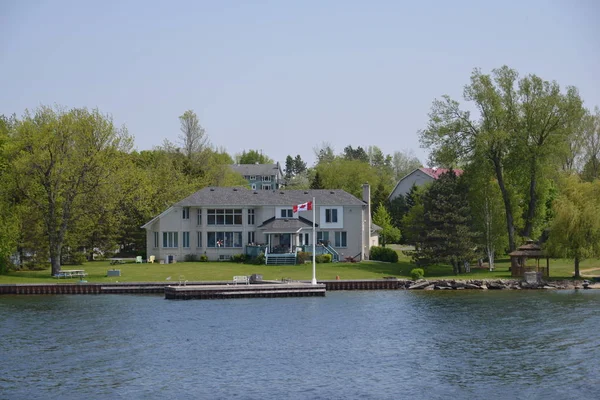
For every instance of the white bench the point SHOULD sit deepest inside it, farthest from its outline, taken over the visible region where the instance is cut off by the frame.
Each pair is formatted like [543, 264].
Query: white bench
[241, 279]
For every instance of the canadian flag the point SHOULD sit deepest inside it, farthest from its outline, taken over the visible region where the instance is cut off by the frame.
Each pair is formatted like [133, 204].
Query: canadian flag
[303, 207]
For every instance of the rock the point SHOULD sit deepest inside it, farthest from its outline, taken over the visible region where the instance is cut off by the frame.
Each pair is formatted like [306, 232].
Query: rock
[437, 287]
[472, 286]
[495, 286]
[419, 285]
[548, 287]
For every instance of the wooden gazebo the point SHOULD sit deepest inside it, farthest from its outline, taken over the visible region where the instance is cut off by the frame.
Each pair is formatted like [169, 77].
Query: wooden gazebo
[519, 257]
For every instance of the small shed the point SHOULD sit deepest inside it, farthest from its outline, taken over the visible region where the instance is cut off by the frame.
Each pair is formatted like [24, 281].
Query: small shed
[529, 251]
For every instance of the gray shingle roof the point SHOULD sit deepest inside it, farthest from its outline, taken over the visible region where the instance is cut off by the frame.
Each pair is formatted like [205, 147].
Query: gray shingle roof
[240, 196]
[287, 225]
[256, 169]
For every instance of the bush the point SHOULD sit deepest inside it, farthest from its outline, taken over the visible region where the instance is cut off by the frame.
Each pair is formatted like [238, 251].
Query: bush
[190, 257]
[238, 258]
[203, 258]
[417, 273]
[384, 254]
[260, 259]
[303, 257]
[323, 258]
[74, 258]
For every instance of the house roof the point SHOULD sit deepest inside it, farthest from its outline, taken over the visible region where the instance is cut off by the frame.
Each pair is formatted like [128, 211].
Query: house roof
[530, 249]
[285, 225]
[241, 196]
[432, 172]
[257, 169]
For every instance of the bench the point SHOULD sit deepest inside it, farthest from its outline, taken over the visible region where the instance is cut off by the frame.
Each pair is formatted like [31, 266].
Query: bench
[78, 273]
[241, 279]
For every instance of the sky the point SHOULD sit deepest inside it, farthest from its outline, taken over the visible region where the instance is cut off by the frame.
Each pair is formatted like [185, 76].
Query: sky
[284, 77]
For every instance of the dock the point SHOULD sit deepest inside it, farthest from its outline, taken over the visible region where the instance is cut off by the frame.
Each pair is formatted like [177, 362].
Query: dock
[293, 289]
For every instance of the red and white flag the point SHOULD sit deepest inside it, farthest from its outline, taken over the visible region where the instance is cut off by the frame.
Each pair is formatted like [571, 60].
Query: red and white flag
[303, 207]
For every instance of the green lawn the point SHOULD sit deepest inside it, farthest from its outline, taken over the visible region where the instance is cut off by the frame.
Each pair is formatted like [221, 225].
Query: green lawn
[216, 271]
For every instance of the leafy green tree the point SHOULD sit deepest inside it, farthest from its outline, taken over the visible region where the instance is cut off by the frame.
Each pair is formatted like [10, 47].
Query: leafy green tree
[193, 137]
[521, 129]
[403, 163]
[591, 146]
[448, 236]
[380, 195]
[59, 158]
[324, 153]
[348, 175]
[253, 157]
[358, 154]
[317, 183]
[389, 233]
[575, 230]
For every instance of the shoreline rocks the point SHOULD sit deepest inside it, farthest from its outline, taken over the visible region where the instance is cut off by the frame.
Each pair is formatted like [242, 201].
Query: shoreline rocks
[496, 284]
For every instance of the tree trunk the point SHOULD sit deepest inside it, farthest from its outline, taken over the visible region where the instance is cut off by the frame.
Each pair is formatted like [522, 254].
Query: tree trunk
[527, 231]
[510, 224]
[55, 258]
[577, 276]
[491, 259]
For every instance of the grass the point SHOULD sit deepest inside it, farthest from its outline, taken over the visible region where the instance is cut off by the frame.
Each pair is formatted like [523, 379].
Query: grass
[224, 271]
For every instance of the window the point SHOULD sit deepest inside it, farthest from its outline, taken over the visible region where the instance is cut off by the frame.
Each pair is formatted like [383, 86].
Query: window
[199, 217]
[222, 216]
[340, 239]
[287, 213]
[199, 243]
[331, 215]
[186, 239]
[250, 237]
[252, 177]
[251, 216]
[156, 240]
[323, 237]
[304, 239]
[224, 239]
[267, 178]
[185, 214]
[266, 187]
[170, 239]
[253, 186]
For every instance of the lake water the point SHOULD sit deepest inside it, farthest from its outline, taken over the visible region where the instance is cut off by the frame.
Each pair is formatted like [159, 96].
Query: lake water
[348, 345]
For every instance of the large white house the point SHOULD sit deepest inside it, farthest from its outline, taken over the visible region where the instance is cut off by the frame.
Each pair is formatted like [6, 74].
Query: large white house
[220, 222]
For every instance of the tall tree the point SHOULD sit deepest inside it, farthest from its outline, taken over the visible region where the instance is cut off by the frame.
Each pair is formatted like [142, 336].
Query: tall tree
[299, 165]
[358, 154]
[317, 182]
[253, 157]
[448, 236]
[403, 163]
[193, 137]
[60, 157]
[389, 233]
[591, 145]
[521, 128]
[575, 229]
[289, 167]
[324, 153]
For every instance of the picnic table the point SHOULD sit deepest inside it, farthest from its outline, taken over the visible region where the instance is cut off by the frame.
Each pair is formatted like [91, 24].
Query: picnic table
[71, 273]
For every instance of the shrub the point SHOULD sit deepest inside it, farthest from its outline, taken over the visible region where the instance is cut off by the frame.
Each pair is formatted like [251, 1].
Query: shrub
[303, 257]
[384, 254]
[417, 273]
[323, 258]
[238, 258]
[260, 259]
[190, 257]
[203, 258]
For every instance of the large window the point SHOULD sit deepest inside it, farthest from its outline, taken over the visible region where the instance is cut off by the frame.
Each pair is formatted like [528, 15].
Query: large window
[266, 187]
[170, 239]
[222, 216]
[156, 240]
[251, 216]
[267, 178]
[185, 213]
[304, 239]
[224, 239]
[340, 239]
[186, 239]
[251, 237]
[331, 215]
[287, 213]
[199, 217]
[199, 242]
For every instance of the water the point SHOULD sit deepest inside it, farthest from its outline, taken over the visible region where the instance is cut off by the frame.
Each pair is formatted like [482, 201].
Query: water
[348, 345]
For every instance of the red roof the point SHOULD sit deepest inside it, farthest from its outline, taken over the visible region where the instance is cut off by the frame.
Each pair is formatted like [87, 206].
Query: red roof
[436, 172]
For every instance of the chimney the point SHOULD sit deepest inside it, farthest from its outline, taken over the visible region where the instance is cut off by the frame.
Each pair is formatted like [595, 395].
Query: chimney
[366, 197]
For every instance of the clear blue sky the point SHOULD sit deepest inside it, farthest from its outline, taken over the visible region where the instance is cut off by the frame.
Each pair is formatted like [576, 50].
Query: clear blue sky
[284, 76]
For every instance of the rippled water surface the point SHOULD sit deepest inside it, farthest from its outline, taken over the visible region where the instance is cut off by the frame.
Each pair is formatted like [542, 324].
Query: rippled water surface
[348, 345]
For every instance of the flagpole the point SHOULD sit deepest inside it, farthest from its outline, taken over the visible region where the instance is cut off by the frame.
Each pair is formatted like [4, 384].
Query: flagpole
[314, 260]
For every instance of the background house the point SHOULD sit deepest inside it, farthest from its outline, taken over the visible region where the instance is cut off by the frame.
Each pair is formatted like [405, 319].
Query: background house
[221, 221]
[261, 176]
[418, 177]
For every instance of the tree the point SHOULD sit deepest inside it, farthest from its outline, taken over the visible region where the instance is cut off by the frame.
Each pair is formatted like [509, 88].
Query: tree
[404, 163]
[448, 237]
[356, 154]
[299, 165]
[317, 183]
[289, 167]
[389, 233]
[348, 175]
[324, 153]
[521, 128]
[380, 195]
[61, 157]
[253, 157]
[591, 145]
[575, 230]
[193, 137]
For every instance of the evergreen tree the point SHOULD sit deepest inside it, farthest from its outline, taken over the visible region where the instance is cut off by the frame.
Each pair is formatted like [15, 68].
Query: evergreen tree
[448, 236]
[379, 196]
[290, 167]
[317, 183]
[299, 165]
